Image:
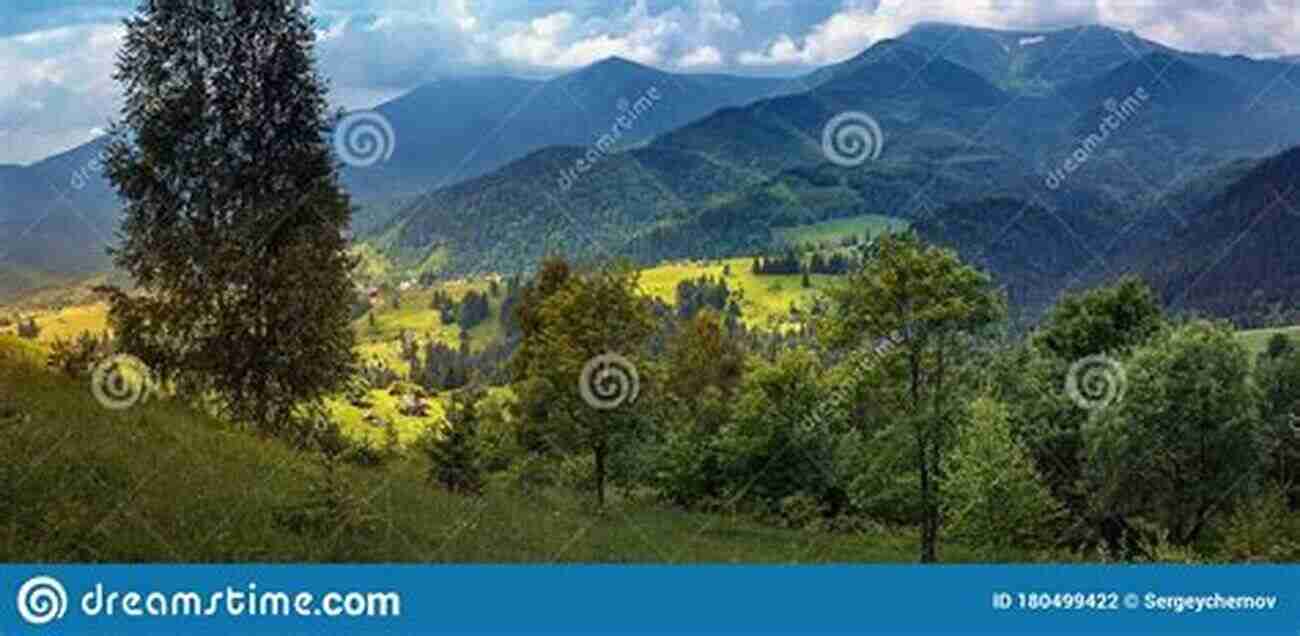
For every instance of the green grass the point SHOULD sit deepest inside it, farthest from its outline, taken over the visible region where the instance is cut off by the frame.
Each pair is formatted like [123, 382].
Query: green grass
[832, 232]
[767, 299]
[383, 341]
[161, 483]
[352, 419]
[1257, 339]
[68, 323]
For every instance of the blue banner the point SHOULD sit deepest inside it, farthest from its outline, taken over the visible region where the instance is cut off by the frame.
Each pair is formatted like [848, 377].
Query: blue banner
[401, 599]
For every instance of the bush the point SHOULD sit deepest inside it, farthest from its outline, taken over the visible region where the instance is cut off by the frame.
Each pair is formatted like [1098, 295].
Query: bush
[498, 433]
[687, 467]
[994, 499]
[879, 473]
[1263, 530]
[1278, 375]
[28, 330]
[774, 447]
[332, 509]
[454, 451]
[76, 358]
[1186, 440]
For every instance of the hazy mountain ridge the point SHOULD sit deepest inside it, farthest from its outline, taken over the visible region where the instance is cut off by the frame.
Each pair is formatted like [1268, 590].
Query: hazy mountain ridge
[1063, 147]
[458, 129]
[950, 138]
[59, 215]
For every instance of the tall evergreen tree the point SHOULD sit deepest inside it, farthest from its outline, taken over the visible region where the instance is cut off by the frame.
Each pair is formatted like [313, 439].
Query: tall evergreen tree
[234, 218]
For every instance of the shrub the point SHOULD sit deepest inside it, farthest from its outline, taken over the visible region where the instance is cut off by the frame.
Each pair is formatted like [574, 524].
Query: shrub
[1186, 440]
[454, 451]
[879, 473]
[773, 448]
[331, 509]
[994, 499]
[29, 330]
[76, 358]
[1263, 530]
[686, 467]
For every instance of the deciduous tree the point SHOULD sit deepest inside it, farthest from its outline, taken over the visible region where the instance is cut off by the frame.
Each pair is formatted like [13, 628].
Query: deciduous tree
[920, 307]
[234, 220]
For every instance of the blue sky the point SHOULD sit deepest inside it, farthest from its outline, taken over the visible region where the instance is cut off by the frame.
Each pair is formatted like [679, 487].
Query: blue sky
[56, 57]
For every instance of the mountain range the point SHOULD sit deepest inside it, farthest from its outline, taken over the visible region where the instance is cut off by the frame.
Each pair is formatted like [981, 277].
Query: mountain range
[1052, 158]
[57, 216]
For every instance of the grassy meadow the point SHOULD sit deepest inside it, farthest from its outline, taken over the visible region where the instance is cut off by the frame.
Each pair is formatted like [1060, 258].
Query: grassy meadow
[161, 483]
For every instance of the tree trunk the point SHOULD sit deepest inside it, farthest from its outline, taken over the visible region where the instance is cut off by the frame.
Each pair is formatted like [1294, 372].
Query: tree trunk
[928, 521]
[600, 474]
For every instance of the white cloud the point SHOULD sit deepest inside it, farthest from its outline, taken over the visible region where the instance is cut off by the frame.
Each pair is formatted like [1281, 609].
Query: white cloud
[703, 57]
[57, 89]
[1252, 27]
[688, 34]
[58, 75]
[839, 37]
[549, 42]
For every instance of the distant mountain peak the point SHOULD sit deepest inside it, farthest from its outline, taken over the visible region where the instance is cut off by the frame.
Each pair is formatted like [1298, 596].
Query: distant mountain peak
[615, 63]
[615, 60]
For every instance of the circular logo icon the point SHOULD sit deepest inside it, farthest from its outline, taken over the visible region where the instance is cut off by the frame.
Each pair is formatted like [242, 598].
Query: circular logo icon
[1096, 382]
[121, 382]
[364, 139]
[852, 138]
[42, 600]
[609, 381]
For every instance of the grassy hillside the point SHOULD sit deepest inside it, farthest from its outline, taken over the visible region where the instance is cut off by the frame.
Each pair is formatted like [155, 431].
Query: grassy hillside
[1257, 339]
[766, 298]
[831, 232]
[162, 483]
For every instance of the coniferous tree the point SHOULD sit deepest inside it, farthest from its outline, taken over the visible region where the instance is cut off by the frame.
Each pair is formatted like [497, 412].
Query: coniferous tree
[234, 219]
[454, 451]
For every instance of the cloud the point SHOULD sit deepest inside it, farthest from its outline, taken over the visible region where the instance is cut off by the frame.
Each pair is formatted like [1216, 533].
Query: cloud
[58, 89]
[686, 33]
[557, 42]
[703, 57]
[1251, 27]
[839, 37]
[57, 61]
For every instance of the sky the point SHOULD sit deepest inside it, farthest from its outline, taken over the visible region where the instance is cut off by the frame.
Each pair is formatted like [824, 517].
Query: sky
[56, 57]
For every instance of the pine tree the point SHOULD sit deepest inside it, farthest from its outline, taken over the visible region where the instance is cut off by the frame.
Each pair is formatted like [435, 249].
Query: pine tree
[454, 451]
[234, 219]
